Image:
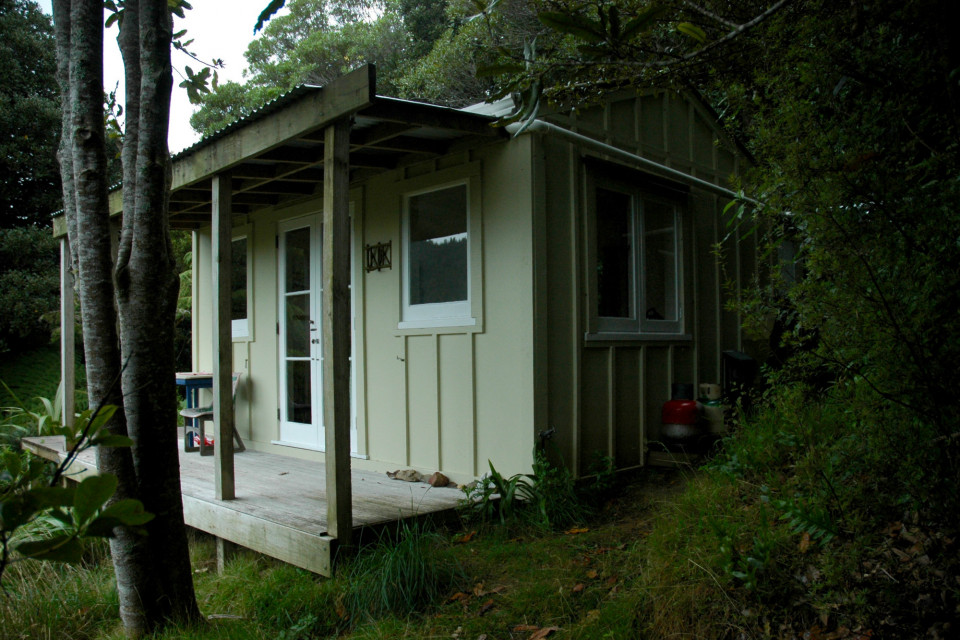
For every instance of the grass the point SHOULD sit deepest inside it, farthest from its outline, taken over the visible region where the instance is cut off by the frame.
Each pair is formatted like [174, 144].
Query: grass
[677, 554]
[813, 521]
[491, 580]
[36, 374]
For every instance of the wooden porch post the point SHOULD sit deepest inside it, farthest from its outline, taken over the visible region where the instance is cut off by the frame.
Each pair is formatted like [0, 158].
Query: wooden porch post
[222, 241]
[67, 352]
[336, 329]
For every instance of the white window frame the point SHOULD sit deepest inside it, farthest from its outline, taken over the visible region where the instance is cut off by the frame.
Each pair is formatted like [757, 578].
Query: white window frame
[441, 314]
[242, 329]
[636, 325]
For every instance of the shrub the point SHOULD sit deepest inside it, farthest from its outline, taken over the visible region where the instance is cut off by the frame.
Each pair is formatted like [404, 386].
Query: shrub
[546, 498]
[29, 287]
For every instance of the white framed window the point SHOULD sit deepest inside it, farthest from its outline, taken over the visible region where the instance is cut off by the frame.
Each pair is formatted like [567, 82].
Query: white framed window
[436, 253]
[240, 303]
[636, 260]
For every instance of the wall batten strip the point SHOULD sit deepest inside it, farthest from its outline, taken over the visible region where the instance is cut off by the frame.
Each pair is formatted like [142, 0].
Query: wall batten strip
[404, 342]
[473, 399]
[642, 396]
[438, 390]
[577, 291]
[611, 401]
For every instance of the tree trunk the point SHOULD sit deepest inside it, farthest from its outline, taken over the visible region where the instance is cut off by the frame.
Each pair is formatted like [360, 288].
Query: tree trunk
[147, 288]
[154, 579]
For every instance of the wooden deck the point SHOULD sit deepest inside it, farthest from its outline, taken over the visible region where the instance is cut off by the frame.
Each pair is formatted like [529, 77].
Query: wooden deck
[280, 508]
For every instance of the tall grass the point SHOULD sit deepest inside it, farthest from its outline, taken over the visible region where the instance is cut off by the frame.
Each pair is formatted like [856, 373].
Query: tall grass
[49, 600]
[403, 574]
[789, 528]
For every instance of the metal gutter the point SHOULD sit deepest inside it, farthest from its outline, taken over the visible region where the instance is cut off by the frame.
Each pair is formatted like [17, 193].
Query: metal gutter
[541, 126]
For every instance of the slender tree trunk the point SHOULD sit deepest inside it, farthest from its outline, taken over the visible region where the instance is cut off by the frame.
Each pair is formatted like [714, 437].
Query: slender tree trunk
[154, 579]
[147, 298]
[61, 9]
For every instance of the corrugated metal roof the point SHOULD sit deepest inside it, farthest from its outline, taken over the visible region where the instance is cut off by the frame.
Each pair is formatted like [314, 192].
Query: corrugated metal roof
[299, 91]
[259, 113]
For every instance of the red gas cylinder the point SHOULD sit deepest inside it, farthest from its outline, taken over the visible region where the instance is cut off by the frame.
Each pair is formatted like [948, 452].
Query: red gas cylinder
[681, 414]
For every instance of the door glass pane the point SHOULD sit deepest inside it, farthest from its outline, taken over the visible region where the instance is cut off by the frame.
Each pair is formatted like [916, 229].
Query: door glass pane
[298, 325]
[238, 279]
[298, 392]
[660, 261]
[438, 246]
[614, 254]
[297, 259]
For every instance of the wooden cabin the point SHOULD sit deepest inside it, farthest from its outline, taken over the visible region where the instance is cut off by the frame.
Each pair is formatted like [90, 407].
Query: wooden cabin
[492, 286]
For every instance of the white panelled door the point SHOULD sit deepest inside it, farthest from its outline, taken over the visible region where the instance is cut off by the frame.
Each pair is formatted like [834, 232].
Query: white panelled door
[300, 296]
[301, 365]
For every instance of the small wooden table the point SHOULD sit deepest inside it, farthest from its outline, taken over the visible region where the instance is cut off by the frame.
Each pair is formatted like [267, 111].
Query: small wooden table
[193, 382]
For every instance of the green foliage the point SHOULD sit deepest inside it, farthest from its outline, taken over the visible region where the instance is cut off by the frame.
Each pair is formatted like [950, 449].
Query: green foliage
[29, 117]
[869, 196]
[401, 576]
[34, 375]
[792, 522]
[315, 43]
[546, 498]
[78, 601]
[29, 287]
[32, 498]
[448, 74]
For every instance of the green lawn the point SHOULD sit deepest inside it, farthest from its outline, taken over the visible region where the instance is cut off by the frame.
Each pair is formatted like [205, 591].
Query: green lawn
[35, 374]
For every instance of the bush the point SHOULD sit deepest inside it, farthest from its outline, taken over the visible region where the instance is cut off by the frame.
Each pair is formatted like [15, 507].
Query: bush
[29, 287]
[820, 507]
[548, 498]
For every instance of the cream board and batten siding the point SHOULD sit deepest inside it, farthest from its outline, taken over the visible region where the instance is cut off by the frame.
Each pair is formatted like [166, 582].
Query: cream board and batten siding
[451, 398]
[447, 398]
[605, 396]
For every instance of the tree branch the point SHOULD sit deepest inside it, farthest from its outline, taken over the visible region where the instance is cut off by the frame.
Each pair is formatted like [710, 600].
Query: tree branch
[713, 16]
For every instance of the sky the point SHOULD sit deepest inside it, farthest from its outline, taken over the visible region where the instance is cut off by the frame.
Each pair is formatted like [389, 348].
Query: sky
[219, 30]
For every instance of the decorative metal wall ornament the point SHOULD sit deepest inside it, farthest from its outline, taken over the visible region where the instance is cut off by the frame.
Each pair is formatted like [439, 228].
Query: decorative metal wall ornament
[378, 256]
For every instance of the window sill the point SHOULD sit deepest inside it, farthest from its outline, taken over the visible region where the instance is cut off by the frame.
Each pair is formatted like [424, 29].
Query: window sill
[602, 339]
[438, 323]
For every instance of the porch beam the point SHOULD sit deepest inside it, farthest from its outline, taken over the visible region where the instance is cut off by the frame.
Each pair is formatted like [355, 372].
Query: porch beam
[342, 97]
[336, 329]
[222, 241]
[68, 371]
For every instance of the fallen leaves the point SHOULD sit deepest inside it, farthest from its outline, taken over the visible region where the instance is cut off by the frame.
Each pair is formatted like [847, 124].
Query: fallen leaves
[805, 542]
[817, 633]
[486, 607]
[463, 538]
[537, 633]
[479, 590]
[576, 530]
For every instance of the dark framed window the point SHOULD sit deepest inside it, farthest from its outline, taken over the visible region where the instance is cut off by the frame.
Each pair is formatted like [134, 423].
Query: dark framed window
[637, 261]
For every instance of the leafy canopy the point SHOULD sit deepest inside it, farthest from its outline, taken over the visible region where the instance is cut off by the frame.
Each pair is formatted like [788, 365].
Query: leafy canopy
[29, 116]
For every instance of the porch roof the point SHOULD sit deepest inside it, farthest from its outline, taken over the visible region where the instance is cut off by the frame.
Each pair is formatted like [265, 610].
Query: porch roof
[276, 153]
